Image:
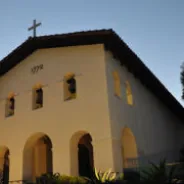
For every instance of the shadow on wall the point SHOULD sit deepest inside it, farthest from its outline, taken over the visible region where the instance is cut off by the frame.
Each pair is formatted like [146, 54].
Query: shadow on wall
[131, 159]
[171, 156]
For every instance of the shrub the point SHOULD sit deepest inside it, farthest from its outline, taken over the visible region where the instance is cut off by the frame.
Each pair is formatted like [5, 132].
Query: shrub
[106, 177]
[72, 179]
[131, 176]
[48, 178]
[159, 174]
[60, 179]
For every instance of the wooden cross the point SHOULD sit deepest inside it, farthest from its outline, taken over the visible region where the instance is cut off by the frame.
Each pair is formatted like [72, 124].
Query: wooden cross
[33, 27]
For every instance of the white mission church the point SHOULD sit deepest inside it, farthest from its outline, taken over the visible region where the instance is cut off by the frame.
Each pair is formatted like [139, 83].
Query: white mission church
[72, 102]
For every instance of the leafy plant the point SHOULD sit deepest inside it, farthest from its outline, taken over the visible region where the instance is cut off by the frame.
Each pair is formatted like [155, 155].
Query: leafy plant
[49, 178]
[159, 174]
[105, 177]
[60, 179]
[131, 176]
[72, 179]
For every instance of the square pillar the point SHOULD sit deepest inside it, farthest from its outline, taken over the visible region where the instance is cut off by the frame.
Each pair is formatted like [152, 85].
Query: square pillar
[108, 155]
[61, 159]
[15, 165]
[117, 155]
[103, 154]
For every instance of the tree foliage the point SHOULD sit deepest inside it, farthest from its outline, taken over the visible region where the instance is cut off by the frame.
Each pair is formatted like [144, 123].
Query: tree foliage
[182, 80]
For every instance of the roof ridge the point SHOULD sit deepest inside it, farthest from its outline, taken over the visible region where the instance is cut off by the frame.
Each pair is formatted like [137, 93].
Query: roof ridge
[78, 32]
[55, 35]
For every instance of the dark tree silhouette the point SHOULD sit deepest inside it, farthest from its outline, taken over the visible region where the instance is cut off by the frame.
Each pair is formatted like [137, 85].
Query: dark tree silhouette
[182, 79]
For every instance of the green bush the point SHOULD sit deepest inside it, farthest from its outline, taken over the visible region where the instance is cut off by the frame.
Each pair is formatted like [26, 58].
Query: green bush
[155, 174]
[60, 179]
[72, 179]
[159, 174]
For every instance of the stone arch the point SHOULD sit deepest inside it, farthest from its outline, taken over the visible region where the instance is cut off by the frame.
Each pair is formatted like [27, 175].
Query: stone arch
[129, 149]
[4, 163]
[81, 154]
[37, 156]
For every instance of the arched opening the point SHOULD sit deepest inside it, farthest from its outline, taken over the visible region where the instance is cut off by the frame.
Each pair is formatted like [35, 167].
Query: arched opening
[4, 164]
[129, 149]
[37, 157]
[85, 156]
[117, 84]
[129, 93]
[37, 96]
[81, 152]
[70, 86]
[10, 105]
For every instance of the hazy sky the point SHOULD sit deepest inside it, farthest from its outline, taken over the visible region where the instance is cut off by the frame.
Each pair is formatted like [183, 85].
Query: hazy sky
[154, 29]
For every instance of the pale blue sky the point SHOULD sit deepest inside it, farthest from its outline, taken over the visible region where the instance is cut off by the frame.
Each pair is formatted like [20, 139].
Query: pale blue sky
[154, 29]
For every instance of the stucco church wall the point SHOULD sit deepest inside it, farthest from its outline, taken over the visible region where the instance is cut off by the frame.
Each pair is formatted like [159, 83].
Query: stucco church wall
[58, 119]
[154, 126]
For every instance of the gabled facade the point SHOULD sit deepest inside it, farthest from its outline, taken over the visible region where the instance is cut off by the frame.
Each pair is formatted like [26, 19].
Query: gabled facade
[82, 100]
[147, 128]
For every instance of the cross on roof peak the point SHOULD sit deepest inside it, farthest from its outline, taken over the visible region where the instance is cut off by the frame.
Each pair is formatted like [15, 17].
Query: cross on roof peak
[34, 26]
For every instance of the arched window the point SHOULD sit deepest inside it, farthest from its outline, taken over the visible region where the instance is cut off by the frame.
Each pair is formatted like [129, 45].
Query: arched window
[10, 105]
[37, 97]
[117, 84]
[129, 149]
[69, 86]
[129, 93]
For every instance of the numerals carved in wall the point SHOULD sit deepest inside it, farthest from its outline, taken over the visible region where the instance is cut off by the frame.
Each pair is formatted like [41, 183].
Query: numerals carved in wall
[36, 69]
